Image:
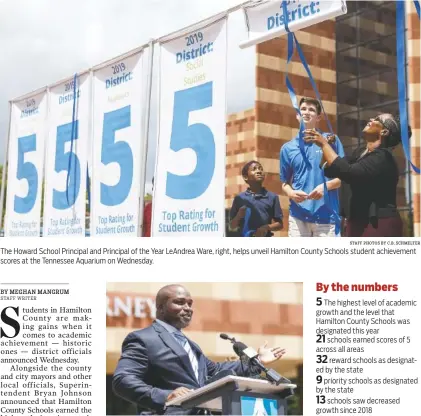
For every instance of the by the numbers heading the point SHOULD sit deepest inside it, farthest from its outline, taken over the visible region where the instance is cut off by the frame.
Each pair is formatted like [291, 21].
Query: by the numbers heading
[339, 287]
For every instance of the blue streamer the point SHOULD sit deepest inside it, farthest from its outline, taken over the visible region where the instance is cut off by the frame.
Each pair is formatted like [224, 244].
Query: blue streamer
[292, 40]
[417, 6]
[291, 90]
[313, 84]
[326, 196]
[88, 188]
[401, 74]
[73, 137]
[284, 9]
[246, 230]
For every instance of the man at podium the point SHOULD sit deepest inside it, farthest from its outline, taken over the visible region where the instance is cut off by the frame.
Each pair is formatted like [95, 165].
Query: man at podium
[159, 363]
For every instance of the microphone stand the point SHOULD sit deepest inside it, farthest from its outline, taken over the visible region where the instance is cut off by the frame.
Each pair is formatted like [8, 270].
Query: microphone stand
[271, 375]
[252, 356]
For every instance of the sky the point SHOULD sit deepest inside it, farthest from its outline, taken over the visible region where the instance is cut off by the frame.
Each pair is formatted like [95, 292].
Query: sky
[44, 41]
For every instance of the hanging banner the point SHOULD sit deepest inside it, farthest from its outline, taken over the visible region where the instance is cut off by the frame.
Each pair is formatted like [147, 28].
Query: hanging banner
[265, 20]
[117, 148]
[25, 167]
[190, 174]
[66, 158]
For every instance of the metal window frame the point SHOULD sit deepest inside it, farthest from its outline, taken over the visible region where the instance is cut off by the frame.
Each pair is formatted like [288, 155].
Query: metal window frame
[359, 43]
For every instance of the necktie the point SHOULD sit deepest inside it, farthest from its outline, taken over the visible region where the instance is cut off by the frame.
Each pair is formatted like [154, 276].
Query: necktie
[182, 340]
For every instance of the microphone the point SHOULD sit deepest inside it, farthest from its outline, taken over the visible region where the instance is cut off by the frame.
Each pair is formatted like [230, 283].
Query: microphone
[252, 355]
[225, 336]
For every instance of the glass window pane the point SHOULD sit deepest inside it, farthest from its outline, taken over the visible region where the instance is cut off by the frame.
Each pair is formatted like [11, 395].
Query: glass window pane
[377, 56]
[363, 5]
[347, 65]
[349, 132]
[348, 94]
[346, 32]
[378, 89]
[378, 22]
[367, 113]
[367, 80]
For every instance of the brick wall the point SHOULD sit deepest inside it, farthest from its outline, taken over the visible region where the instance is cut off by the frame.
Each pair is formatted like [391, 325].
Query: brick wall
[241, 147]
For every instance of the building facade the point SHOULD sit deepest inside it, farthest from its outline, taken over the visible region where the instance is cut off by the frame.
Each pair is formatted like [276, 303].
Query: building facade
[353, 62]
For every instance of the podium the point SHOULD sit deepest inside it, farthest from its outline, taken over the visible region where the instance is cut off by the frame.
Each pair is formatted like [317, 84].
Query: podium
[233, 395]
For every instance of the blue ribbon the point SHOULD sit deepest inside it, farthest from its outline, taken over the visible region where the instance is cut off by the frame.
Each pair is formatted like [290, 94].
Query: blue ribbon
[72, 139]
[88, 188]
[313, 84]
[290, 88]
[246, 230]
[401, 74]
[417, 6]
[292, 39]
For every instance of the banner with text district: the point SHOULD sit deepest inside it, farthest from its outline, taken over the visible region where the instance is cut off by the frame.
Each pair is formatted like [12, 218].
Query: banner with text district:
[66, 158]
[117, 148]
[266, 20]
[190, 173]
[25, 167]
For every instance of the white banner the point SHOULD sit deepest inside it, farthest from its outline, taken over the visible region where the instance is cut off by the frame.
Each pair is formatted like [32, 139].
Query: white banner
[25, 167]
[190, 174]
[117, 185]
[66, 158]
[266, 20]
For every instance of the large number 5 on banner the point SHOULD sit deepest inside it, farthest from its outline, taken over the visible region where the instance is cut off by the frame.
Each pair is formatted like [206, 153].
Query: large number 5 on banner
[120, 153]
[198, 137]
[68, 162]
[28, 171]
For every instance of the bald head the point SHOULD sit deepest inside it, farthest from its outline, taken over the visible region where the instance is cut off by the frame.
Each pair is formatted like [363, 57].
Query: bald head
[174, 305]
[167, 291]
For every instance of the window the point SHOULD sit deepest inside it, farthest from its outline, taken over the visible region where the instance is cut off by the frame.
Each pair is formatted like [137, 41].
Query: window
[367, 81]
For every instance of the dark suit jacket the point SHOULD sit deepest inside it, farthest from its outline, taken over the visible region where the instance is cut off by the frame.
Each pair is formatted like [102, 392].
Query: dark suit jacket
[153, 364]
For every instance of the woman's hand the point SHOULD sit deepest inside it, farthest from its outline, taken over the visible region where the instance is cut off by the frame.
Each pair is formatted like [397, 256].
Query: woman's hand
[331, 139]
[325, 143]
[313, 136]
